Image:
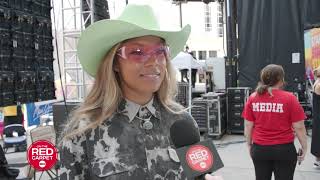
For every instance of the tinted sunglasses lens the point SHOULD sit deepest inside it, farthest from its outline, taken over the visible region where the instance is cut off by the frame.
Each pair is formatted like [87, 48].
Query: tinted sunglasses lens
[140, 55]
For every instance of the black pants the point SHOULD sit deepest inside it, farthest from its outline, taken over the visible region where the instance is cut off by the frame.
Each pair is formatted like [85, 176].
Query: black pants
[278, 159]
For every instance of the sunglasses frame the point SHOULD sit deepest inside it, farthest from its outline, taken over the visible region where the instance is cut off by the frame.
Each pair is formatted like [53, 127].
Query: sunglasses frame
[144, 58]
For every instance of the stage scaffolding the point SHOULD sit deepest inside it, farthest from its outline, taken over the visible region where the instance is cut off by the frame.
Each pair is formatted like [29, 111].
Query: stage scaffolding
[76, 82]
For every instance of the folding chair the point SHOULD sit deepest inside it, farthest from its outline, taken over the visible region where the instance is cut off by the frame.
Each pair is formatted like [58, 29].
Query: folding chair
[14, 136]
[45, 133]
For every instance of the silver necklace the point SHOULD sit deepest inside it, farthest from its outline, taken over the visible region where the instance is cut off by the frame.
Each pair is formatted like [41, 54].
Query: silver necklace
[146, 123]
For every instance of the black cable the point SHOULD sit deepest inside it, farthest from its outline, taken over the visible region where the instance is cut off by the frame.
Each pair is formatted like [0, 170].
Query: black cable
[58, 60]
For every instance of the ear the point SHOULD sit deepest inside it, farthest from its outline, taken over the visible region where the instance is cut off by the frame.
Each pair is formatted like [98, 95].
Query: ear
[116, 66]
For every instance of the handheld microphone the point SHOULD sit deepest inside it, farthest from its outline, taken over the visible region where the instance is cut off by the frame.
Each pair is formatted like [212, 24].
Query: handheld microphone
[197, 157]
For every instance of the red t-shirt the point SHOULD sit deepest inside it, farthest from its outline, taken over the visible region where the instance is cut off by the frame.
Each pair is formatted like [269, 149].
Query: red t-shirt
[273, 116]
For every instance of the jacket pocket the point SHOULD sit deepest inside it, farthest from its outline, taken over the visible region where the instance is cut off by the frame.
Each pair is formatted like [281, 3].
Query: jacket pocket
[107, 167]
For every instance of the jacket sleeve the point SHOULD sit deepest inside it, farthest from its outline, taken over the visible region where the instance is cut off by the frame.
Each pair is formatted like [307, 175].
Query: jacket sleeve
[73, 159]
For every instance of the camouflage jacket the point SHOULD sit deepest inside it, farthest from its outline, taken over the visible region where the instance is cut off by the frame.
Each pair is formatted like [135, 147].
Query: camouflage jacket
[123, 148]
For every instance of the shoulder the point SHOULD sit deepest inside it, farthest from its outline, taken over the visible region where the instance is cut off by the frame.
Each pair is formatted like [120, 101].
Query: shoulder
[177, 112]
[317, 88]
[253, 95]
[286, 94]
[73, 145]
[78, 124]
[73, 134]
[288, 97]
[175, 106]
[185, 115]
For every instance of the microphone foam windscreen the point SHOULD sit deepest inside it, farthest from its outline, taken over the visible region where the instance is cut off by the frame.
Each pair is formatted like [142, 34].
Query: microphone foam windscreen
[184, 133]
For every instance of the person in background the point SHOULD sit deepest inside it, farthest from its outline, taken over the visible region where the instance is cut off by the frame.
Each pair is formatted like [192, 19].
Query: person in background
[315, 142]
[272, 116]
[193, 77]
[184, 75]
[6, 173]
[10, 114]
[121, 130]
[1, 123]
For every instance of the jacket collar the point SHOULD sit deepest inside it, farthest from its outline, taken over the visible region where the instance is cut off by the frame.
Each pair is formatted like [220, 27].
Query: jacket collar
[132, 109]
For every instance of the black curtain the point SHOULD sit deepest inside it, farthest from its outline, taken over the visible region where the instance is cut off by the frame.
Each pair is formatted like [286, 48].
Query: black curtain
[269, 32]
[312, 18]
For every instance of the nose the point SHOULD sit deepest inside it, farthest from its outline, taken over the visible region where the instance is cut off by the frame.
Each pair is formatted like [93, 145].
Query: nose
[153, 60]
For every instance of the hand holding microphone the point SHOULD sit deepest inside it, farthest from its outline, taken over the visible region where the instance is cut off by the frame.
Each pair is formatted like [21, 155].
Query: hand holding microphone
[197, 158]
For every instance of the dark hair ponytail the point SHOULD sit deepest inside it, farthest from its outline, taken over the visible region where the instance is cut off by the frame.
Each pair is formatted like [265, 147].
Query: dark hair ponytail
[270, 76]
[261, 88]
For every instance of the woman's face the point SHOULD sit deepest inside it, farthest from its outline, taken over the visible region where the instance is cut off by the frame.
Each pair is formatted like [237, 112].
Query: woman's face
[141, 64]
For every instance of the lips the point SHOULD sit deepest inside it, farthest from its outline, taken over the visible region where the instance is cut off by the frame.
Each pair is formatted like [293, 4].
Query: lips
[156, 74]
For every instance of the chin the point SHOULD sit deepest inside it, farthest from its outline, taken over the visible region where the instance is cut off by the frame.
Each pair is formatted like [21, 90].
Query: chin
[153, 90]
[150, 89]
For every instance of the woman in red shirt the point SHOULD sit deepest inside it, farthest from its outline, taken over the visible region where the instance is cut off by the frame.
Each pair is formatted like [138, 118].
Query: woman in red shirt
[272, 115]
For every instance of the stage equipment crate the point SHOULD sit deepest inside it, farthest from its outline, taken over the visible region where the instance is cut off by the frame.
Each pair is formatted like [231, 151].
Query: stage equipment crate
[236, 99]
[183, 94]
[210, 113]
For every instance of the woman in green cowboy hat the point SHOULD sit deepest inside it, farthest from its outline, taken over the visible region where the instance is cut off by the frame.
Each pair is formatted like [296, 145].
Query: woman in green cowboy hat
[121, 130]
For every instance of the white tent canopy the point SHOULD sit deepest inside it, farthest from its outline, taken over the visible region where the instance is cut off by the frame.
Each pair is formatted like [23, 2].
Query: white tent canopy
[185, 61]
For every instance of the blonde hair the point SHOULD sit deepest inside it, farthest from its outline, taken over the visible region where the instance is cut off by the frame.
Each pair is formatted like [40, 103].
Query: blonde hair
[316, 72]
[105, 96]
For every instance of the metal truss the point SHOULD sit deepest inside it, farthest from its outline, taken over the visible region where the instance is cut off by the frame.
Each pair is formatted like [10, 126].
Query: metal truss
[74, 18]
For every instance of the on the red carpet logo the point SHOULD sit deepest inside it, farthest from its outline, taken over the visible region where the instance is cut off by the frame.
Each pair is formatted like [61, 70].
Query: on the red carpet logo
[42, 155]
[199, 158]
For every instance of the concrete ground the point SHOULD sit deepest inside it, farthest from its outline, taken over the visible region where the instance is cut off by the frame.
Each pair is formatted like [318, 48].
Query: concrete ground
[233, 152]
[238, 165]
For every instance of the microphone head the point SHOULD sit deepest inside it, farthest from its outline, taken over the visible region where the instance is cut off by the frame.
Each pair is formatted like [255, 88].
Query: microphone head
[184, 133]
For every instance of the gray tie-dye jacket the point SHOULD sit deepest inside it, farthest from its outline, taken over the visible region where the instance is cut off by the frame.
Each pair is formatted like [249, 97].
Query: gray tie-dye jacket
[121, 149]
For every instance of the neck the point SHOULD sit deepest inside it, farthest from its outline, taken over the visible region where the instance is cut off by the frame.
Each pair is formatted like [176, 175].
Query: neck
[139, 98]
[278, 86]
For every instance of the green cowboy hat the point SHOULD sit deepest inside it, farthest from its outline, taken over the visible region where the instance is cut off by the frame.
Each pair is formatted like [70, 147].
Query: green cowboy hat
[135, 21]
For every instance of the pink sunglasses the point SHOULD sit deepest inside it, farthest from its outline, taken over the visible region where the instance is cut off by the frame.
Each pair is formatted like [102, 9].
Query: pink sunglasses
[141, 54]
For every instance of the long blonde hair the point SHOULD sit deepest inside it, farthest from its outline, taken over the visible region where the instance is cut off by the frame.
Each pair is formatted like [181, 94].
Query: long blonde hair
[105, 96]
